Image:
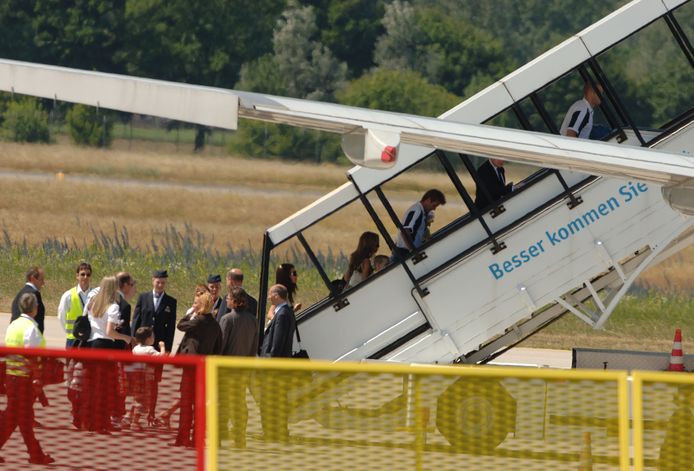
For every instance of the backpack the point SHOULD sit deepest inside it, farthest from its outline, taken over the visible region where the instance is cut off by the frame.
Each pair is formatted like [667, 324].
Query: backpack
[82, 329]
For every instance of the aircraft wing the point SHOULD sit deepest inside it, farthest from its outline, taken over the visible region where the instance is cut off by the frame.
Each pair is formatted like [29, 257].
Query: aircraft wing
[534, 148]
[371, 138]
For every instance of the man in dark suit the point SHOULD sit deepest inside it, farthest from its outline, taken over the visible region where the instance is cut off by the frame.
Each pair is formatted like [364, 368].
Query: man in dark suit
[157, 309]
[279, 336]
[235, 280]
[35, 279]
[277, 343]
[492, 178]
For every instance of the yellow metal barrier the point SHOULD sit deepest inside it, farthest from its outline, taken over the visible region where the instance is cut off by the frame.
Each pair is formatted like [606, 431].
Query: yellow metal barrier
[293, 414]
[663, 421]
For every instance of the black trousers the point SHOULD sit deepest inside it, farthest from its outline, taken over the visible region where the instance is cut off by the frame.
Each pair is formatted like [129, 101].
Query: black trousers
[102, 395]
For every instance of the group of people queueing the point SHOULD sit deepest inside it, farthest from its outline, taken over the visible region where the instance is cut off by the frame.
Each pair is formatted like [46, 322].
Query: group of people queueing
[110, 396]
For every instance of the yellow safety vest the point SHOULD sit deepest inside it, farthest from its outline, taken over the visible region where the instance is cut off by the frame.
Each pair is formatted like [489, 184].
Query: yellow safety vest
[74, 312]
[18, 365]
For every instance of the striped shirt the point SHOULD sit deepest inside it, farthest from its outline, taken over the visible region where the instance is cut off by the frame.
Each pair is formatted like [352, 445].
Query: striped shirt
[578, 119]
[415, 223]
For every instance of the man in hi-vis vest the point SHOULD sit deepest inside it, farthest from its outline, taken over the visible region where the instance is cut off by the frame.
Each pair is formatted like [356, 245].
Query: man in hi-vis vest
[23, 379]
[73, 300]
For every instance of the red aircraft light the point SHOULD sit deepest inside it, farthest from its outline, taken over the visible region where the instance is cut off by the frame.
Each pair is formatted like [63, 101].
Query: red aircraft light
[389, 154]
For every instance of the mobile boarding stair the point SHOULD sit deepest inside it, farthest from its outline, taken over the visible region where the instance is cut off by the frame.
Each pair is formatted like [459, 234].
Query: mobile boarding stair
[497, 275]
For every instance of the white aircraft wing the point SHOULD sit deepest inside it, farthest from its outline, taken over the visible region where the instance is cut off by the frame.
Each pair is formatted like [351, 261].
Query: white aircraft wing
[370, 137]
[179, 101]
[539, 149]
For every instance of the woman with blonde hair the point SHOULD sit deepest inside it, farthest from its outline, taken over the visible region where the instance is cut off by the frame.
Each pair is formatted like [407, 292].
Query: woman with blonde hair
[104, 316]
[202, 337]
[102, 376]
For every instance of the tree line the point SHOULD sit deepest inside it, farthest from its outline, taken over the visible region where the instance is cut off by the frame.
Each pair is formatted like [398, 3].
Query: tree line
[416, 56]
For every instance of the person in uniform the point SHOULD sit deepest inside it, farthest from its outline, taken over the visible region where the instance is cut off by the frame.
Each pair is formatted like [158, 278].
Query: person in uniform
[71, 305]
[214, 285]
[23, 379]
[157, 309]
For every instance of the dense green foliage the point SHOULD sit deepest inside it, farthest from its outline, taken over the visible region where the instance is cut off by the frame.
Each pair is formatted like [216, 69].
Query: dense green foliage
[89, 127]
[87, 34]
[450, 52]
[197, 42]
[527, 28]
[397, 90]
[256, 139]
[298, 66]
[336, 49]
[349, 28]
[24, 121]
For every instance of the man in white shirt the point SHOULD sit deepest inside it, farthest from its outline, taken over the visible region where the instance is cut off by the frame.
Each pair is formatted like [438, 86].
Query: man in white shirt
[72, 303]
[578, 121]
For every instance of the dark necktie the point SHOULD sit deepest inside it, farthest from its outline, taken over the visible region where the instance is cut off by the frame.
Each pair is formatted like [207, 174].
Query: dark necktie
[500, 172]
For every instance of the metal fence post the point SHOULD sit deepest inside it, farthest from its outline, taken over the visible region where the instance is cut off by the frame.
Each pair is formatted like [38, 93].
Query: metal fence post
[421, 417]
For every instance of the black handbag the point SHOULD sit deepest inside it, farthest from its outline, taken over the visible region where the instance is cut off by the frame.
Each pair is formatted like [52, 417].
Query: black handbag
[301, 354]
[82, 329]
